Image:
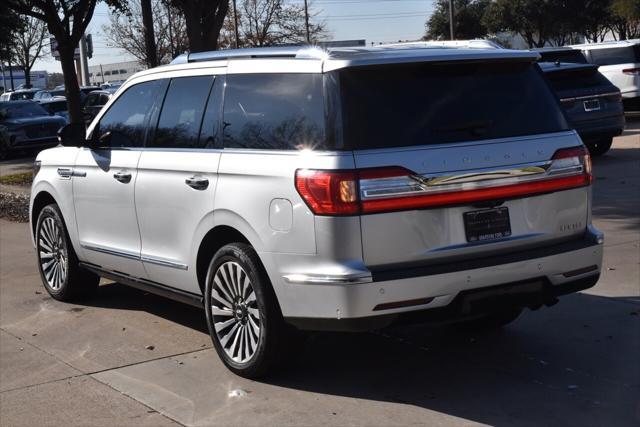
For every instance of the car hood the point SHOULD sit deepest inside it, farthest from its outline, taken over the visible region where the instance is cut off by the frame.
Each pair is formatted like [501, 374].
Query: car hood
[24, 121]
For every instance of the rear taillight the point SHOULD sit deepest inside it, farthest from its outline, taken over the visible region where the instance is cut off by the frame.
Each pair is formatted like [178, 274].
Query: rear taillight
[632, 71]
[377, 190]
[329, 192]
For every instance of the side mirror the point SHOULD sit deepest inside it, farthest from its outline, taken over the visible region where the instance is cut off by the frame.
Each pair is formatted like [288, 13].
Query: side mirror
[72, 135]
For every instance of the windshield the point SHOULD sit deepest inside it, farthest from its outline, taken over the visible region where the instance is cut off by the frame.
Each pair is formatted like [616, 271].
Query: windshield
[55, 107]
[421, 104]
[20, 110]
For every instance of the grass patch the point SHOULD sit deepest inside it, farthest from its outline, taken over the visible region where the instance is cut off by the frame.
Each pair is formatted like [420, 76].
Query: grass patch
[24, 178]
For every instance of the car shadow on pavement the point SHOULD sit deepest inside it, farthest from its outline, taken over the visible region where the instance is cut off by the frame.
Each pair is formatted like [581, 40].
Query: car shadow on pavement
[117, 296]
[573, 364]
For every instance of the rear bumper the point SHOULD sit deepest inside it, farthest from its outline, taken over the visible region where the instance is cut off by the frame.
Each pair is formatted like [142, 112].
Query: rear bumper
[602, 128]
[527, 278]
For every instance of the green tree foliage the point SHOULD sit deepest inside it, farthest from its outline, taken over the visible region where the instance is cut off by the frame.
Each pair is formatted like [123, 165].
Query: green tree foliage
[11, 25]
[468, 22]
[625, 18]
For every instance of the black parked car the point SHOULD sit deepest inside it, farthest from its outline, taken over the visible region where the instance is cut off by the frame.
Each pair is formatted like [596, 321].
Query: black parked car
[28, 126]
[93, 103]
[591, 102]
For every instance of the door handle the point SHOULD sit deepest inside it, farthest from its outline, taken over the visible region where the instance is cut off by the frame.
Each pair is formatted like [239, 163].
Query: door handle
[123, 177]
[197, 182]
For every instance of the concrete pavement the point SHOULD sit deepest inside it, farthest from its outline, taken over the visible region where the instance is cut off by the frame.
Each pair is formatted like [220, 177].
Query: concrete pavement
[573, 364]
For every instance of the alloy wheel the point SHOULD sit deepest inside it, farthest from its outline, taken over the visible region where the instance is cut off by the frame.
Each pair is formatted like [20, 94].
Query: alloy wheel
[52, 253]
[235, 313]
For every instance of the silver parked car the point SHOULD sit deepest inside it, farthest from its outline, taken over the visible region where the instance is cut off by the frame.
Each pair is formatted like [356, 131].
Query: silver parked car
[289, 189]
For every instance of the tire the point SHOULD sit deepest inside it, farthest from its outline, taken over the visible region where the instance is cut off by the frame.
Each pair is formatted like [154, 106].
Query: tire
[493, 320]
[599, 147]
[61, 274]
[242, 312]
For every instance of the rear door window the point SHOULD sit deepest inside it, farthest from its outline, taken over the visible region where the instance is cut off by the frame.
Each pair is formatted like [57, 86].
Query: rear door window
[423, 104]
[181, 115]
[274, 111]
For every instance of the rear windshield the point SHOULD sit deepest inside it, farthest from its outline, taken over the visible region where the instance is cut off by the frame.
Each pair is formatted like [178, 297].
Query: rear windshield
[577, 79]
[573, 56]
[420, 104]
[615, 55]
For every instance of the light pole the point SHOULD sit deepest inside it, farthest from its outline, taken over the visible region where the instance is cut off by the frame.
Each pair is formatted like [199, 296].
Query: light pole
[451, 20]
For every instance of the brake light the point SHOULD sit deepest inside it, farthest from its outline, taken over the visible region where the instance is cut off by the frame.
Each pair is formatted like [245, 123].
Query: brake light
[377, 190]
[632, 71]
[329, 192]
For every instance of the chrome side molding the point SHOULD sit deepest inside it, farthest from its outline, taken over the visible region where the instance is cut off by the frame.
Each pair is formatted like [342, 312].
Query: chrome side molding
[135, 256]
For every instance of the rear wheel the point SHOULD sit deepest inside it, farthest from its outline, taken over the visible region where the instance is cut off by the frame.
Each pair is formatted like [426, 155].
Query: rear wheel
[61, 274]
[599, 147]
[243, 315]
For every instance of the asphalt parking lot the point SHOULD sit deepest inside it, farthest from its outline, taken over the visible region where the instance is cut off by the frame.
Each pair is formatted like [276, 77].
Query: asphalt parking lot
[125, 358]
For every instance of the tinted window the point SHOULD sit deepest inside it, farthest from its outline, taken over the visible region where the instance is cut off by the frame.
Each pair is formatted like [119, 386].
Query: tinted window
[576, 79]
[127, 118]
[209, 132]
[179, 123]
[419, 104]
[282, 111]
[574, 56]
[617, 55]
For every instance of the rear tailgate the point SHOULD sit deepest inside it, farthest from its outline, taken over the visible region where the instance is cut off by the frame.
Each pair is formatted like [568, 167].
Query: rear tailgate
[438, 233]
[456, 160]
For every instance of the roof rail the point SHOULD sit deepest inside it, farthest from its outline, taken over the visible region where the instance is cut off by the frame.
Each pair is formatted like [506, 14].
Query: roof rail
[306, 52]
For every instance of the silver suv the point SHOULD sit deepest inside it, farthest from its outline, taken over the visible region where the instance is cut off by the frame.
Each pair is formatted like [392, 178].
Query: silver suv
[291, 189]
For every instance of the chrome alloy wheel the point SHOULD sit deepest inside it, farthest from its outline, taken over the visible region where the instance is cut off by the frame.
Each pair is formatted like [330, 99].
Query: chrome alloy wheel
[52, 253]
[235, 314]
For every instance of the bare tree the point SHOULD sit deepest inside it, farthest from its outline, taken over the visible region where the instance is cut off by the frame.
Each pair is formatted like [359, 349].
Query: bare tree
[28, 44]
[271, 22]
[67, 21]
[126, 31]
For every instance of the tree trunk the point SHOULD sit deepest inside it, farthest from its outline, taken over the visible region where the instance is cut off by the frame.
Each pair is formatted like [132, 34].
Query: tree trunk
[71, 87]
[27, 77]
[149, 36]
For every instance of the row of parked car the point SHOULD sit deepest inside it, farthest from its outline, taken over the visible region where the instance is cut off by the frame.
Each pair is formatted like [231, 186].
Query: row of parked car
[594, 83]
[31, 118]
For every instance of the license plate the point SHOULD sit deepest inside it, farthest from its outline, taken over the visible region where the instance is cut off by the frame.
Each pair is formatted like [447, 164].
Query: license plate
[487, 224]
[592, 105]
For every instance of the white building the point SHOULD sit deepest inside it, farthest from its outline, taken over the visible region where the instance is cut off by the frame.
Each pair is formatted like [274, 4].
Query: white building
[104, 73]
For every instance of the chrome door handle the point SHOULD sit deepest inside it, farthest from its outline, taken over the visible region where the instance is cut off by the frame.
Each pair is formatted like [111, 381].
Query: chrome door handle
[124, 177]
[197, 182]
[65, 172]
[68, 173]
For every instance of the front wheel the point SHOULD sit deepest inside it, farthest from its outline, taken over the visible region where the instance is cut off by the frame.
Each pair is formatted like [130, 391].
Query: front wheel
[61, 274]
[243, 315]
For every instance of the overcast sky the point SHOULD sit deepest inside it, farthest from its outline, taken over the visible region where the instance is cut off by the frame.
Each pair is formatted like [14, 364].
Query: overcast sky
[373, 20]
